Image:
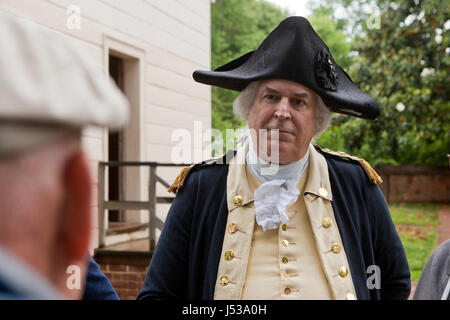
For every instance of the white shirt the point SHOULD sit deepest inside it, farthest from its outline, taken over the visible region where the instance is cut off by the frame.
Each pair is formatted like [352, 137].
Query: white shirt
[279, 187]
[25, 281]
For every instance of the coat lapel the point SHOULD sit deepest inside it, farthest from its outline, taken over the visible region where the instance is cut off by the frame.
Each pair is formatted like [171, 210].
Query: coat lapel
[239, 231]
[318, 197]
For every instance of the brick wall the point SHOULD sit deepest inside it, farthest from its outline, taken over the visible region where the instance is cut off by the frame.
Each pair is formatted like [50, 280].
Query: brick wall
[126, 280]
[125, 269]
[415, 183]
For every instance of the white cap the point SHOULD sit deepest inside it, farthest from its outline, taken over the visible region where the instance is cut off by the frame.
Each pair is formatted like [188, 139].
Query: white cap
[46, 82]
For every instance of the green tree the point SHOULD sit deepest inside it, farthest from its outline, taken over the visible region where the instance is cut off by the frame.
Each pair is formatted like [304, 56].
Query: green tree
[404, 64]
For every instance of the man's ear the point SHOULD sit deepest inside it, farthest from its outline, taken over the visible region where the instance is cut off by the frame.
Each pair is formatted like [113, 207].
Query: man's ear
[77, 209]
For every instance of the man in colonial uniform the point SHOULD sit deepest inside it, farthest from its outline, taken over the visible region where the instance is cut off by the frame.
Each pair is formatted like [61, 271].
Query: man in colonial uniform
[316, 227]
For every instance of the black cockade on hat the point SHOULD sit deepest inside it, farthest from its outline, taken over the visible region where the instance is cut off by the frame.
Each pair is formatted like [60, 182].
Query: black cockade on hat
[326, 73]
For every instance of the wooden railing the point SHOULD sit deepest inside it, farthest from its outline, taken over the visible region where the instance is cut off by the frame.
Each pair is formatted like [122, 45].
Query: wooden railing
[150, 205]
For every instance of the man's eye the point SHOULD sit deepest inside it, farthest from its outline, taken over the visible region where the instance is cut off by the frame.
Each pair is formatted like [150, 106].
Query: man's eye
[297, 102]
[271, 97]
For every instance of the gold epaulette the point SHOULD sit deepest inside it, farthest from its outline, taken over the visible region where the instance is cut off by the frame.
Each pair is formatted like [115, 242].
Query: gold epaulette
[371, 173]
[181, 177]
[179, 180]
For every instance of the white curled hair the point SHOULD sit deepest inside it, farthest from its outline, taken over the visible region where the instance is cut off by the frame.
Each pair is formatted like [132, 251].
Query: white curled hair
[244, 102]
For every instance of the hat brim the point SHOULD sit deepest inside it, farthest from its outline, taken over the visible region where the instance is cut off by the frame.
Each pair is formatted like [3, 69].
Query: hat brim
[349, 99]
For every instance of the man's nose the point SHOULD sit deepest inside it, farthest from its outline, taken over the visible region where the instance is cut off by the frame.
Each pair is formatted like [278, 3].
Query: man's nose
[282, 112]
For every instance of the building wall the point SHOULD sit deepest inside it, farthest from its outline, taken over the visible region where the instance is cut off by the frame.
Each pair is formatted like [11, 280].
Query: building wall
[415, 183]
[126, 279]
[174, 37]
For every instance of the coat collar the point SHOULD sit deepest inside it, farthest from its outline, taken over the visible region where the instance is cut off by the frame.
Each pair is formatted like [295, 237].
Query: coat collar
[237, 186]
[318, 181]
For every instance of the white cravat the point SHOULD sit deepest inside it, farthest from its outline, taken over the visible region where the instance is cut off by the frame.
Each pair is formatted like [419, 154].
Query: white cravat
[279, 187]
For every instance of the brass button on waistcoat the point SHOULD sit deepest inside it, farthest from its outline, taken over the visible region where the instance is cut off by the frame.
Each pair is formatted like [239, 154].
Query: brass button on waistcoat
[285, 260]
[238, 200]
[229, 255]
[232, 228]
[323, 192]
[350, 296]
[343, 271]
[224, 280]
[336, 248]
[326, 222]
[284, 227]
[287, 291]
[285, 243]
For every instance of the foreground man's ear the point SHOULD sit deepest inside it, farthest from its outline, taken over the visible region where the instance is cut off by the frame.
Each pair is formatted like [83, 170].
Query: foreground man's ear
[76, 217]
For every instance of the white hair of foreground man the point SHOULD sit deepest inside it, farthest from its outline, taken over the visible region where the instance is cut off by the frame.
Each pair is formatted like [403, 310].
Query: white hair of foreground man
[243, 103]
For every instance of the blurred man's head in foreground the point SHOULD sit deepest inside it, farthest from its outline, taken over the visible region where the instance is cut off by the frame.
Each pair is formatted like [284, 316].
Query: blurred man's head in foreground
[49, 91]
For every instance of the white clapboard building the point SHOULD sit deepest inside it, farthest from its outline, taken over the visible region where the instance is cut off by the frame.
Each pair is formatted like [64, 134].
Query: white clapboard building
[151, 48]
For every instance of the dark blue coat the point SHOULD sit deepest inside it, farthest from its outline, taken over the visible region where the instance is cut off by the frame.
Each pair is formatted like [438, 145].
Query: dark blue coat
[186, 259]
[7, 292]
[98, 286]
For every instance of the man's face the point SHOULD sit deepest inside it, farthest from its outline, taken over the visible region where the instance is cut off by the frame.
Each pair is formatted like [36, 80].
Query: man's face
[289, 107]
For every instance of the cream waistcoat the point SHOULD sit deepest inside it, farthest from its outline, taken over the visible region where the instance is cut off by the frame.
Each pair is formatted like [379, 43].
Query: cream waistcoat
[315, 202]
[283, 263]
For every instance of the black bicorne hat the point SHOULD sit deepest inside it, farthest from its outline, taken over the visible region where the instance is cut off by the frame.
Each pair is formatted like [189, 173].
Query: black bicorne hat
[294, 51]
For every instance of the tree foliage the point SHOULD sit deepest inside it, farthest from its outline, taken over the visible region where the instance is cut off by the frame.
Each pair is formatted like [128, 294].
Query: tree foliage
[404, 64]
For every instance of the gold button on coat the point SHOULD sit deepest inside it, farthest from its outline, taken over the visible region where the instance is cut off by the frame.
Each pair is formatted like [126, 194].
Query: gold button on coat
[284, 227]
[224, 280]
[323, 192]
[285, 243]
[326, 222]
[232, 228]
[336, 248]
[285, 260]
[350, 296]
[287, 291]
[238, 200]
[343, 271]
[229, 255]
